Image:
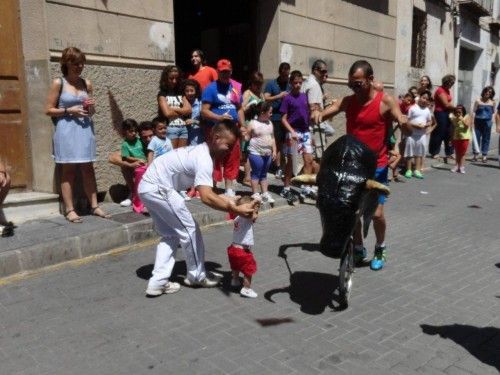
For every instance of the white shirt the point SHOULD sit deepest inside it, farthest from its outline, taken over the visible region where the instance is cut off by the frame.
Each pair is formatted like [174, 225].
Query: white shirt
[418, 116]
[243, 231]
[312, 89]
[179, 169]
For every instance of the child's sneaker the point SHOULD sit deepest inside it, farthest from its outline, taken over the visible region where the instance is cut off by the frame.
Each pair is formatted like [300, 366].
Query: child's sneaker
[454, 169]
[184, 195]
[418, 174]
[126, 202]
[266, 197]
[248, 293]
[462, 170]
[235, 283]
[257, 197]
[379, 258]
[408, 173]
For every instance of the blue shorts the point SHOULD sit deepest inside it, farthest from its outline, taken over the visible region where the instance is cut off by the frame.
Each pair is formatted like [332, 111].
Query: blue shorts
[175, 132]
[381, 175]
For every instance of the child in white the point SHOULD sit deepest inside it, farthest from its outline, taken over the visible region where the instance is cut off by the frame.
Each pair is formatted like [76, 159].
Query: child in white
[419, 118]
[240, 256]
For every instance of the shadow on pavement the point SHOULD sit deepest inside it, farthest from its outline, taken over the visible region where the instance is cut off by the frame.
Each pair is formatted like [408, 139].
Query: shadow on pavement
[486, 165]
[482, 343]
[313, 291]
[179, 271]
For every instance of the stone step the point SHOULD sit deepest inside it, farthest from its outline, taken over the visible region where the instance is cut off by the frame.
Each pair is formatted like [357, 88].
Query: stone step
[26, 206]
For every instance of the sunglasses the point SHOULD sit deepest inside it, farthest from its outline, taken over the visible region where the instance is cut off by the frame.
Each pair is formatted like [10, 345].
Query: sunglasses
[356, 85]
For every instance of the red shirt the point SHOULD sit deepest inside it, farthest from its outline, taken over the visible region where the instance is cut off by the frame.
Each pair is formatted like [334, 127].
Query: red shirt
[367, 125]
[438, 107]
[204, 76]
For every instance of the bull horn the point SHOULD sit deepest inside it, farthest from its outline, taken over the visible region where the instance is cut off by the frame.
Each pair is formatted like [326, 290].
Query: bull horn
[372, 184]
[309, 179]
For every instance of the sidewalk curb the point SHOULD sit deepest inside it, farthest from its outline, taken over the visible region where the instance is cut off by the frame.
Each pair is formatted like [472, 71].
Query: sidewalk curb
[83, 245]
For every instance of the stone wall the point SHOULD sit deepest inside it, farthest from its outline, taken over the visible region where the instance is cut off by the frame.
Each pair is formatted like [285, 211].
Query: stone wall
[340, 33]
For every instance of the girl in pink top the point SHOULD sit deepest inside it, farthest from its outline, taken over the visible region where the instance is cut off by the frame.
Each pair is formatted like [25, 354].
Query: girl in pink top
[262, 149]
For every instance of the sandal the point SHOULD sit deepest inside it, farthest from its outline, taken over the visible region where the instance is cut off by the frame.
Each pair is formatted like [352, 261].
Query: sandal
[97, 211]
[75, 219]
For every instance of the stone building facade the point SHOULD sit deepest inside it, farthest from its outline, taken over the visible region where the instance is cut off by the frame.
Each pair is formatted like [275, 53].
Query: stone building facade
[128, 42]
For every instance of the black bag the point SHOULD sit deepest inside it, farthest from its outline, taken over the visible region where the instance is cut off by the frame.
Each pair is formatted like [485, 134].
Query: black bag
[54, 119]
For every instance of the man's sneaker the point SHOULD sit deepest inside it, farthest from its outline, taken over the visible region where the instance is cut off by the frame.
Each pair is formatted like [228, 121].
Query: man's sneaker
[230, 193]
[235, 283]
[168, 288]
[185, 195]
[279, 174]
[205, 283]
[267, 197]
[360, 255]
[248, 293]
[327, 128]
[126, 203]
[288, 195]
[418, 174]
[379, 258]
[408, 173]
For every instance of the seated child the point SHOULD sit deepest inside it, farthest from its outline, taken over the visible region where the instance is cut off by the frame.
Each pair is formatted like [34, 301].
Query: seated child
[132, 151]
[240, 256]
[159, 144]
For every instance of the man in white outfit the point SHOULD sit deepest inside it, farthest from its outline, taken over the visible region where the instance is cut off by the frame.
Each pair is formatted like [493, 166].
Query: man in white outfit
[178, 170]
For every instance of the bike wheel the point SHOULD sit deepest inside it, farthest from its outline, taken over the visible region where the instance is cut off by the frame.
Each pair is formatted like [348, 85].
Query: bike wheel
[346, 271]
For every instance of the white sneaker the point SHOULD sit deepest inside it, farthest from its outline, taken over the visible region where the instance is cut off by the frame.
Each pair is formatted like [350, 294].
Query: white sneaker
[168, 288]
[235, 283]
[327, 128]
[267, 197]
[257, 196]
[279, 174]
[461, 170]
[205, 283]
[230, 193]
[248, 293]
[184, 195]
[126, 203]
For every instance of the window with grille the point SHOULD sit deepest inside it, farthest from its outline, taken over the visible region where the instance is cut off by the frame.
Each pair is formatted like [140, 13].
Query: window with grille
[418, 39]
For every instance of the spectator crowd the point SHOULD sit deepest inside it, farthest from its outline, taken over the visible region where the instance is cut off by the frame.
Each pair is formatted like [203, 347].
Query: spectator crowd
[261, 127]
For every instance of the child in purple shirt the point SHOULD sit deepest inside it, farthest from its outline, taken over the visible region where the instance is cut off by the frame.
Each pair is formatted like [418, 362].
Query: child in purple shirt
[295, 120]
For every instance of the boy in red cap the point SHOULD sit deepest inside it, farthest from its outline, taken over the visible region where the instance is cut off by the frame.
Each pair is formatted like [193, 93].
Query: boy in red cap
[221, 100]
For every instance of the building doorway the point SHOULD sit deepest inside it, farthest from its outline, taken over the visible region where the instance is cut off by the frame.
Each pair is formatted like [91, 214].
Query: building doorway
[13, 127]
[221, 29]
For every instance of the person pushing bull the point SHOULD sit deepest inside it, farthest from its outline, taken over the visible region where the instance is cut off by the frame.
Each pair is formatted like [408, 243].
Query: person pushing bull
[369, 113]
[169, 173]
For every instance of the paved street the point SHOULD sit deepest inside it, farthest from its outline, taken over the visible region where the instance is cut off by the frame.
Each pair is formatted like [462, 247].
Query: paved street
[434, 308]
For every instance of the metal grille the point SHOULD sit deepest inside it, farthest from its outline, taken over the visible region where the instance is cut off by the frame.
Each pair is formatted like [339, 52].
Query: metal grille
[418, 39]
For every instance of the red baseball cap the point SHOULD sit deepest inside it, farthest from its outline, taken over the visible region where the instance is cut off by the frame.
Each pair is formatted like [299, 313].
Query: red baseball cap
[224, 64]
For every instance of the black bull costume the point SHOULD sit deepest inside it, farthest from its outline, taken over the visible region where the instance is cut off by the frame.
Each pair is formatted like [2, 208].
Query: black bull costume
[346, 191]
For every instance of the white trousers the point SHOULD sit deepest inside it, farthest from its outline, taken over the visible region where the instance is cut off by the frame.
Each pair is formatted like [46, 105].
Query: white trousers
[175, 224]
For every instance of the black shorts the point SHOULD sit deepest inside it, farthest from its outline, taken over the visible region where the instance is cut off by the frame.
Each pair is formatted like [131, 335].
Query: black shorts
[279, 132]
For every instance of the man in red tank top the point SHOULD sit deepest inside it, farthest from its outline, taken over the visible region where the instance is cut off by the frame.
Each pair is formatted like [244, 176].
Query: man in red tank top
[368, 112]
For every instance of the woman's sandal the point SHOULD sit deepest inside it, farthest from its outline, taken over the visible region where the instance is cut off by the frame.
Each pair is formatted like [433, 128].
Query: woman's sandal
[75, 219]
[97, 211]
